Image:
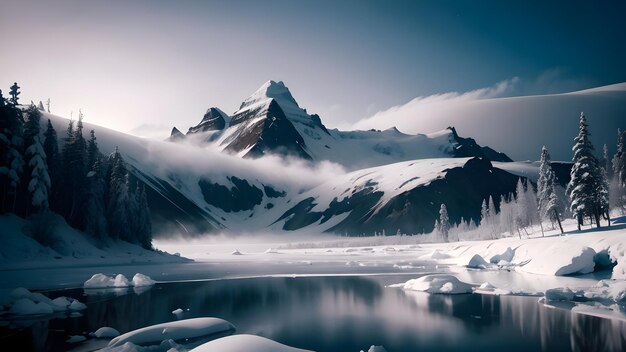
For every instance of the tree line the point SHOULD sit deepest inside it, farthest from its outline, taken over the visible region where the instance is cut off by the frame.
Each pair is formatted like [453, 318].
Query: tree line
[596, 186]
[39, 176]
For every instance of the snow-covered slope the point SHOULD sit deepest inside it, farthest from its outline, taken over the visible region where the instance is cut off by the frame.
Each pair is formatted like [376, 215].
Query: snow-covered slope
[518, 126]
[271, 121]
[195, 188]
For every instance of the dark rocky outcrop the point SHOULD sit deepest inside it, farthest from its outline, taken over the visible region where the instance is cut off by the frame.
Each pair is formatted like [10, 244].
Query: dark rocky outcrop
[213, 120]
[241, 196]
[273, 133]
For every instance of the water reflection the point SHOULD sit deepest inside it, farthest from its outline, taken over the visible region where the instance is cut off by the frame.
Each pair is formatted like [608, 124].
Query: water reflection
[337, 314]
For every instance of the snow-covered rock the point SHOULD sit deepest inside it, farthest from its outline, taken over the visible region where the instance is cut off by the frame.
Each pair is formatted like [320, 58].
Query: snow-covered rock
[177, 311]
[565, 259]
[376, 349]
[559, 294]
[176, 330]
[25, 306]
[106, 332]
[236, 252]
[140, 280]
[613, 290]
[619, 270]
[76, 305]
[245, 343]
[506, 256]
[438, 283]
[76, 339]
[436, 254]
[119, 280]
[476, 262]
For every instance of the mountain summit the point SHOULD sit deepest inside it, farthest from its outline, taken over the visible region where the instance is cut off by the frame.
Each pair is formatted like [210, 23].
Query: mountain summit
[270, 121]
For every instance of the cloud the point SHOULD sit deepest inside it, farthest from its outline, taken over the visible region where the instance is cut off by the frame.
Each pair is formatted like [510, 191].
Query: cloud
[432, 104]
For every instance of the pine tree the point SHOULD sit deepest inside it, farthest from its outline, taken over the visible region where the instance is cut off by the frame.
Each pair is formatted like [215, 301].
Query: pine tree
[95, 217]
[585, 178]
[551, 209]
[51, 149]
[618, 181]
[444, 222]
[519, 215]
[544, 188]
[39, 184]
[38, 180]
[11, 150]
[48, 104]
[40, 106]
[493, 219]
[118, 206]
[14, 93]
[75, 156]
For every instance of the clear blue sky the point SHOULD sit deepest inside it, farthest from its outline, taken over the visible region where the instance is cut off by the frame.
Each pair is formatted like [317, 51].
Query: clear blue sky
[162, 63]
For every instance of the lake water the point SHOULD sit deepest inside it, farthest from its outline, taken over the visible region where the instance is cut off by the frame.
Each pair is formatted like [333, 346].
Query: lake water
[334, 313]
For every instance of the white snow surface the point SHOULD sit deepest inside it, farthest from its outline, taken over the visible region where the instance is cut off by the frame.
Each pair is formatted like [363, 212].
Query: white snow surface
[104, 281]
[245, 343]
[106, 332]
[21, 301]
[440, 283]
[176, 330]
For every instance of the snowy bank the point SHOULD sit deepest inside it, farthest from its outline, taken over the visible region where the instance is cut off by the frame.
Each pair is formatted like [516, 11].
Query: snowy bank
[176, 330]
[65, 246]
[245, 343]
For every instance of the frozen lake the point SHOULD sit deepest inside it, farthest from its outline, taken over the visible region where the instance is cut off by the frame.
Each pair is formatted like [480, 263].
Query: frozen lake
[331, 313]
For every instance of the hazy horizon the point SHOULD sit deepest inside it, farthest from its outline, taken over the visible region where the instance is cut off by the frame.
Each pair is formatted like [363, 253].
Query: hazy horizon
[145, 66]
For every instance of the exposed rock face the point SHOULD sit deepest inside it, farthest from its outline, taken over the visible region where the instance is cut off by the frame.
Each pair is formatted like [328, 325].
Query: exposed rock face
[176, 135]
[214, 120]
[467, 147]
[265, 129]
[462, 190]
[241, 196]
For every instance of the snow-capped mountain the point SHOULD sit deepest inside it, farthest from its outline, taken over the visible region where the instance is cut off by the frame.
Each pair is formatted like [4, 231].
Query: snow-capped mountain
[271, 121]
[238, 179]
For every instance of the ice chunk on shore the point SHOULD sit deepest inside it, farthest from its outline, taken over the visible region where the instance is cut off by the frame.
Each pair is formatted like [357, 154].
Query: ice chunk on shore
[236, 252]
[175, 330]
[245, 343]
[438, 283]
[140, 280]
[104, 281]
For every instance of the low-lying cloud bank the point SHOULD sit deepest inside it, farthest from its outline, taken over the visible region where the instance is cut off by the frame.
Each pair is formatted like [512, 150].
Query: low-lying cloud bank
[518, 126]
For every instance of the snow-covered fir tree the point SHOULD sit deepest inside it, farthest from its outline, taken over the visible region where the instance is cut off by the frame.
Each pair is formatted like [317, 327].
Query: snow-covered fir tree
[39, 184]
[51, 148]
[444, 222]
[11, 148]
[544, 187]
[618, 181]
[551, 207]
[586, 186]
[95, 217]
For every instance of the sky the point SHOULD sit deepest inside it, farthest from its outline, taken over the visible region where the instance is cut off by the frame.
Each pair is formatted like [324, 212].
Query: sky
[144, 66]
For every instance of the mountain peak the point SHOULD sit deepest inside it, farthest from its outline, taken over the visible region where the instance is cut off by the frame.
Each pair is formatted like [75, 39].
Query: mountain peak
[272, 90]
